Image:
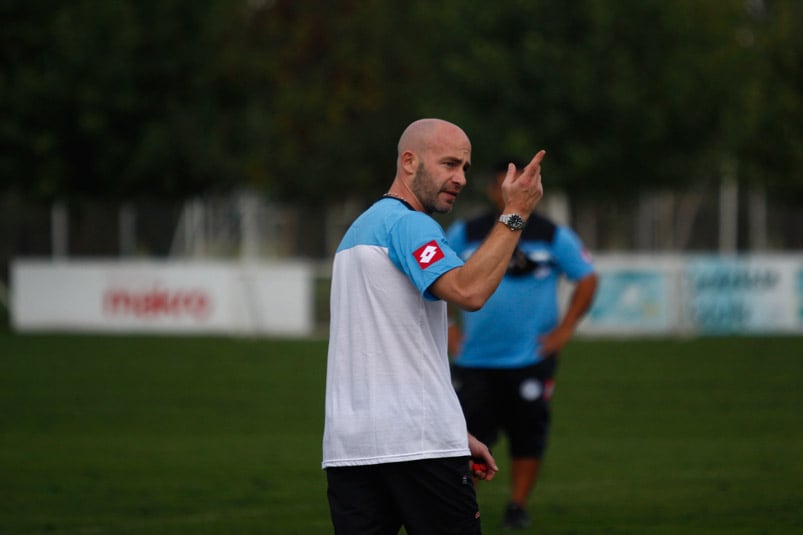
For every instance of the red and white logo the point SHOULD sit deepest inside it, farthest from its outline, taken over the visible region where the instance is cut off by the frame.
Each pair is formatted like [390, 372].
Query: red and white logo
[428, 254]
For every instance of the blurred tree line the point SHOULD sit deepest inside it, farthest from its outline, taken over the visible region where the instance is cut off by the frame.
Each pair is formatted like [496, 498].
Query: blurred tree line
[305, 99]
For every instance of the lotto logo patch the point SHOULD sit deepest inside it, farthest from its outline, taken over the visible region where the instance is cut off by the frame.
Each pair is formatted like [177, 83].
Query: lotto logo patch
[428, 254]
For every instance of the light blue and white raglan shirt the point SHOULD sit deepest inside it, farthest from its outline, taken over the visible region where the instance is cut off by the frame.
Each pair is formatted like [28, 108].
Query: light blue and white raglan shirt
[389, 396]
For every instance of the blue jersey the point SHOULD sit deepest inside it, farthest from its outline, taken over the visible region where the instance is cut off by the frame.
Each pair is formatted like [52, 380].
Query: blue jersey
[504, 332]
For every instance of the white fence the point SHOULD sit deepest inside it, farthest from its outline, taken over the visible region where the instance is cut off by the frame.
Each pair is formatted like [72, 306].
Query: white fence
[639, 295]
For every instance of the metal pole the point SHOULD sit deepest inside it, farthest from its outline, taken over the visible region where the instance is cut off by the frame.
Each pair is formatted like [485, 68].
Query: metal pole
[728, 208]
[59, 229]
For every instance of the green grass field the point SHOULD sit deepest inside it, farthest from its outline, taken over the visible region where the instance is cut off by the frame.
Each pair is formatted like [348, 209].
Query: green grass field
[151, 435]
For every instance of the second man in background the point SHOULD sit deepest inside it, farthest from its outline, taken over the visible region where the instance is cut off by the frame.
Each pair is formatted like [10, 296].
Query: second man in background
[505, 354]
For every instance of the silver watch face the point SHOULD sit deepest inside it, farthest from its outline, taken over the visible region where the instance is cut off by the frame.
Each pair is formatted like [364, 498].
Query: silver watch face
[513, 221]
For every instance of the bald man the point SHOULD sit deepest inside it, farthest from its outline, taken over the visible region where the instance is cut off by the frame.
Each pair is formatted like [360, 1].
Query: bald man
[395, 447]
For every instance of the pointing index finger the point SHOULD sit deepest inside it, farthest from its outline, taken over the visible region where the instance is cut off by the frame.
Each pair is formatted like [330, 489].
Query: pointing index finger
[537, 158]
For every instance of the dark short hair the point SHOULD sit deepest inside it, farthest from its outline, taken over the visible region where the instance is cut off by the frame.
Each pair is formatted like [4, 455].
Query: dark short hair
[501, 165]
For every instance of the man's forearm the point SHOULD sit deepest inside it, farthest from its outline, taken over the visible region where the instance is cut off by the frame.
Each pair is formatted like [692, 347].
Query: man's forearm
[580, 301]
[471, 285]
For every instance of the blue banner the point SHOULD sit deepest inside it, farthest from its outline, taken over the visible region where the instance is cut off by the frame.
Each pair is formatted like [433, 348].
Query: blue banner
[632, 301]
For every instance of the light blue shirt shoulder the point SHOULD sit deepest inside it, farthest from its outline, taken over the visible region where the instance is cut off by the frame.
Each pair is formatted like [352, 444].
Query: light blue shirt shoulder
[414, 242]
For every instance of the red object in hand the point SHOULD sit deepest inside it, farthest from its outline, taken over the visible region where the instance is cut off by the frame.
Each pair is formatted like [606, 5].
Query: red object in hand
[477, 466]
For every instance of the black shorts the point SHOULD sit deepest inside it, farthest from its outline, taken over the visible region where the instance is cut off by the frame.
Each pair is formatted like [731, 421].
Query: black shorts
[434, 496]
[515, 401]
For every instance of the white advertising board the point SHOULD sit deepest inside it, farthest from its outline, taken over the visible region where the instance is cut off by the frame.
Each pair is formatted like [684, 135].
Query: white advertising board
[638, 295]
[697, 295]
[162, 297]
[734, 295]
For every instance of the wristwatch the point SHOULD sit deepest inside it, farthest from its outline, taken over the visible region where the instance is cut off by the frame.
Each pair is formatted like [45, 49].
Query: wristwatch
[513, 221]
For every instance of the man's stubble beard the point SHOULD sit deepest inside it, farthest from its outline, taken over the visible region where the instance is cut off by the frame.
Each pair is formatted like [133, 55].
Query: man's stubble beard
[424, 187]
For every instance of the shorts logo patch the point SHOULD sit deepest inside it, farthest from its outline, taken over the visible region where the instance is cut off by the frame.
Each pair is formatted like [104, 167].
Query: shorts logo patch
[428, 254]
[530, 390]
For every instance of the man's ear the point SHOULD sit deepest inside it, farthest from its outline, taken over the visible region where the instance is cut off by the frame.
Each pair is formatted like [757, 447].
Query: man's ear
[409, 162]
